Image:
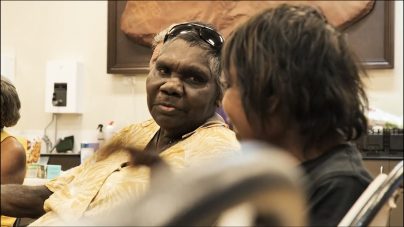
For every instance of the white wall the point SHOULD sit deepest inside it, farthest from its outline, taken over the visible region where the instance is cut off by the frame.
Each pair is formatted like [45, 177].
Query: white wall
[35, 32]
[385, 87]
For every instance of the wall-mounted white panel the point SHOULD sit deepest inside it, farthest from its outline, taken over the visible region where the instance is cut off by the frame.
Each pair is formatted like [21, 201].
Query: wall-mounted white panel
[69, 75]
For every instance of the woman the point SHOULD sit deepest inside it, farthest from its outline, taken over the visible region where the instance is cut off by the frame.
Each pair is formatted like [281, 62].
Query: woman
[183, 91]
[293, 82]
[13, 166]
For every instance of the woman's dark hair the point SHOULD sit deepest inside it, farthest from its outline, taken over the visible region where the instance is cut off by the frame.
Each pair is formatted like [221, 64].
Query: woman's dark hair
[193, 39]
[10, 104]
[293, 54]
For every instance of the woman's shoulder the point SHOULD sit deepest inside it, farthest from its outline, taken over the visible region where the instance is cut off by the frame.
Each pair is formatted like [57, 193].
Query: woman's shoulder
[13, 152]
[12, 146]
[218, 131]
[140, 126]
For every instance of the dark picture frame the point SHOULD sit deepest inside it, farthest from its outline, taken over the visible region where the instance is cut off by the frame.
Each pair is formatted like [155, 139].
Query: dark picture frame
[372, 39]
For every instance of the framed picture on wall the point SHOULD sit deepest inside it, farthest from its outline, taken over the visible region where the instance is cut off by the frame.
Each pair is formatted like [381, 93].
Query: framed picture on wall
[372, 39]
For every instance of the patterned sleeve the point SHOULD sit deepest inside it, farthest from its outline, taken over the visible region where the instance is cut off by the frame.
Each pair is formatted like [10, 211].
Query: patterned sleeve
[210, 143]
[123, 136]
[68, 176]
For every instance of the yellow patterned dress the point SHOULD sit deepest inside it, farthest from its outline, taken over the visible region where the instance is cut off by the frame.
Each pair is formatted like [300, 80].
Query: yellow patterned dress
[96, 186]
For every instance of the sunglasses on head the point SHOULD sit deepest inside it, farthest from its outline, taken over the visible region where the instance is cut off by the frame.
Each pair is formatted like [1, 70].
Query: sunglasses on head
[207, 34]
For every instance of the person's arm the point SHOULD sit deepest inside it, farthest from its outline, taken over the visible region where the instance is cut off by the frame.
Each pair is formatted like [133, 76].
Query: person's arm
[28, 201]
[23, 201]
[13, 162]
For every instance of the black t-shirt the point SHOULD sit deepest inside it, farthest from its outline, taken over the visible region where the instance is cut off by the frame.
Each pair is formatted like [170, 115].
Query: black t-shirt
[337, 179]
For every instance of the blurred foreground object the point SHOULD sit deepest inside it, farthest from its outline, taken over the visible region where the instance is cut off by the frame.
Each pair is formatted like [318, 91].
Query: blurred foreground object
[264, 182]
[374, 205]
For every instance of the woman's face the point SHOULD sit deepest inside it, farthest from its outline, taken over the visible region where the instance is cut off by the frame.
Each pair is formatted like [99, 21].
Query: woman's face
[274, 131]
[181, 90]
[233, 107]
